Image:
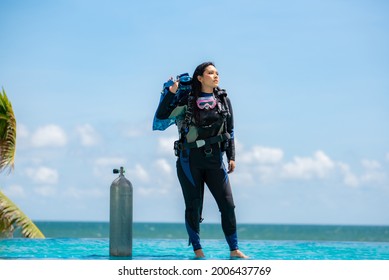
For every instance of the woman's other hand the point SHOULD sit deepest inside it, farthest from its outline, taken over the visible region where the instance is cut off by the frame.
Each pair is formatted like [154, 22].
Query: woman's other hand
[231, 166]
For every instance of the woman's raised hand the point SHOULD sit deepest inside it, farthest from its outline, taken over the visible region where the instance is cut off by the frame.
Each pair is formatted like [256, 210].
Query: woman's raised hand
[173, 88]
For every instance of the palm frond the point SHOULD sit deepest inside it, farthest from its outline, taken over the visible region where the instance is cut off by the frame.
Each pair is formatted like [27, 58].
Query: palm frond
[6, 229]
[11, 217]
[7, 133]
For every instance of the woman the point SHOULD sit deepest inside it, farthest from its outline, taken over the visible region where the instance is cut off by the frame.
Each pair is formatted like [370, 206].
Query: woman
[205, 122]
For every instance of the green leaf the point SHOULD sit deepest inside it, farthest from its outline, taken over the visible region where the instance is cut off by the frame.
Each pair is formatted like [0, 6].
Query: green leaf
[11, 217]
[7, 133]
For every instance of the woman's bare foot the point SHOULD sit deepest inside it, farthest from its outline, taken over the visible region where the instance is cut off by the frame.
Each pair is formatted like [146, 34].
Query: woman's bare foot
[199, 254]
[238, 254]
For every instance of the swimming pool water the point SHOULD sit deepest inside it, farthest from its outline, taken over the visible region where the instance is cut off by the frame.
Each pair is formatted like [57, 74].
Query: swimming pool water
[177, 249]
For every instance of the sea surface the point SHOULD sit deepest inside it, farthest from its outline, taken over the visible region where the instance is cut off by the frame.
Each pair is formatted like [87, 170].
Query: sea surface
[214, 231]
[167, 241]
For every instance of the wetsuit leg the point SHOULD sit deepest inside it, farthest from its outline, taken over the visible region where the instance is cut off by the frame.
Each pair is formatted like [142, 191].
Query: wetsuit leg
[193, 195]
[219, 185]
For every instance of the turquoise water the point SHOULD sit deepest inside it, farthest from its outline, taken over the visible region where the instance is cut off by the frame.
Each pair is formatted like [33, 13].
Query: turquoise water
[172, 249]
[154, 241]
[213, 231]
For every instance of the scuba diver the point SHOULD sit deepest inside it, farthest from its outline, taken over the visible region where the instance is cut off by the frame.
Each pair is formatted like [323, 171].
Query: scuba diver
[203, 115]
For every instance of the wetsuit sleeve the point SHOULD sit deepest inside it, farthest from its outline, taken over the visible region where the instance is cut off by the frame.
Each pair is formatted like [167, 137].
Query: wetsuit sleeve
[230, 152]
[164, 108]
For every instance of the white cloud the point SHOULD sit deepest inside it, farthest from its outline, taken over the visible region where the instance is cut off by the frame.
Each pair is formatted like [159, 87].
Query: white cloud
[373, 177]
[45, 191]
[148, 191]
[78, 193]
[88, 135]
[241, 178]
[373, 172]
[135, 130]
[22, 131]
[262, 155]
[43, 175]
[138, 173]
[103, 166]
[163, 166]
[165, 145]
[158, 183]
[110, 161]
[23, 136]
[145, 191]
[268, 173]
[349, 178]
[133, 133]
[49, 136]
[266, 166]
[15, 191]
[318, 166]
[370, 164]
[387, 156]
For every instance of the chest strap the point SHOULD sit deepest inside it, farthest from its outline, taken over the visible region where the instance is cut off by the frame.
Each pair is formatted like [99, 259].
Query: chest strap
[207, 142]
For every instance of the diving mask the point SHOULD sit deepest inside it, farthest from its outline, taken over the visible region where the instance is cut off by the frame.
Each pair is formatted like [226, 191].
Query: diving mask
[208, 102]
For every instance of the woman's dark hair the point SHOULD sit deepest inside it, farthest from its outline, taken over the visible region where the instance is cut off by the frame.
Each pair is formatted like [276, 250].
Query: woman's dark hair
[199, 71]
[196, 87]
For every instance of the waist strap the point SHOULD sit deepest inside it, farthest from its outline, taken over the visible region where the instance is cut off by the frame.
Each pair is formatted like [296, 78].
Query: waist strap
[207, 142]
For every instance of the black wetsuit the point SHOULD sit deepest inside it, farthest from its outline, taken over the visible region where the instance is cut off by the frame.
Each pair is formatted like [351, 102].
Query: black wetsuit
[204, 165]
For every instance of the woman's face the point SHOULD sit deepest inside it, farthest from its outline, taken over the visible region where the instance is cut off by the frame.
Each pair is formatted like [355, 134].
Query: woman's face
[209, 80]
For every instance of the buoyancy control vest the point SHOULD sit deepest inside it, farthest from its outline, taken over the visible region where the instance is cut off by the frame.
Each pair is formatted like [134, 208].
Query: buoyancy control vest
[180, 109]
[203, 127]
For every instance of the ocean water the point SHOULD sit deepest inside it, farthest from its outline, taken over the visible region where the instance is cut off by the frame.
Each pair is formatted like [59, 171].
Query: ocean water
[159, 241]
[214, 231]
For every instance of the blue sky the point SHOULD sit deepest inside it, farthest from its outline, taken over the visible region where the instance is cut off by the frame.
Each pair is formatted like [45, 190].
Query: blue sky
[308, 81]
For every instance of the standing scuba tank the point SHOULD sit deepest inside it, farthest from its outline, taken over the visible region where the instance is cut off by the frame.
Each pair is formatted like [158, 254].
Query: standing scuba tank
[120, 218]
